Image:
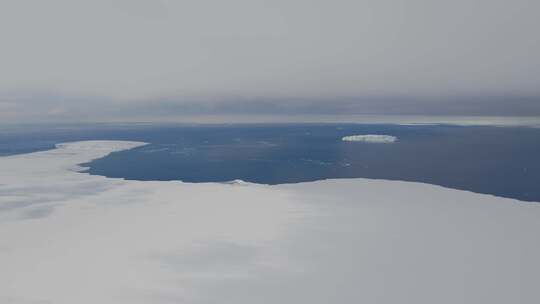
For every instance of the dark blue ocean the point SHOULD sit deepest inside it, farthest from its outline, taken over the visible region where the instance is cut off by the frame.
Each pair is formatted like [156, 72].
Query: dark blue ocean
[502, 161]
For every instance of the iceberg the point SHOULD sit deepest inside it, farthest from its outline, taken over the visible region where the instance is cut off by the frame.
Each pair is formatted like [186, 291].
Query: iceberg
[371, 138]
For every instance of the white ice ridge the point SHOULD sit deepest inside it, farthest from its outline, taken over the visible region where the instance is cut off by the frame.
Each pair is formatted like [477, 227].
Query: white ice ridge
[69, 237]
[371, 138]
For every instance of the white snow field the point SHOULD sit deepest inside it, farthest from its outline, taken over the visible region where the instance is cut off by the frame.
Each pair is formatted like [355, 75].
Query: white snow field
[71, 238]
[371, 138]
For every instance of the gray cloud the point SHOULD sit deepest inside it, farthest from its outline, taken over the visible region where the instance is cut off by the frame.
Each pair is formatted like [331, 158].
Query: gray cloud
[55, 108]
[120, 60]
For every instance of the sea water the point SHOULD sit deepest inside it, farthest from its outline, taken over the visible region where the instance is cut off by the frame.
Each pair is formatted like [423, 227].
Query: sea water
[502, 161]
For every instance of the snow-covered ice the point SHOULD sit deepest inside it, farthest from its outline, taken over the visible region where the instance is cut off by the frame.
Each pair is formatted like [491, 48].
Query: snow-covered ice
[69, 237]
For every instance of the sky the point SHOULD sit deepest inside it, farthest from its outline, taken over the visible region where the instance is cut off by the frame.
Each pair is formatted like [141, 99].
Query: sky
[162, 60]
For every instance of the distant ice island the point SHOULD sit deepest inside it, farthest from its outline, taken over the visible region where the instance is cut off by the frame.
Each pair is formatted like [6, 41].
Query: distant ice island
[371, 138]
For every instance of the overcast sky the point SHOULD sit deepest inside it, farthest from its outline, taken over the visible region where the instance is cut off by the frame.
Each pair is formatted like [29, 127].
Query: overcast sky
[121, 60]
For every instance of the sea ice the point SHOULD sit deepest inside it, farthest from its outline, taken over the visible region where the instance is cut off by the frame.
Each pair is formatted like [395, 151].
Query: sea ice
[68, 237]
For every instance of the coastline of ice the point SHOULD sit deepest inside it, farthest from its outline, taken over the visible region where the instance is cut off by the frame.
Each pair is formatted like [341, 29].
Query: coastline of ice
[68, 237]
[371, 138]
